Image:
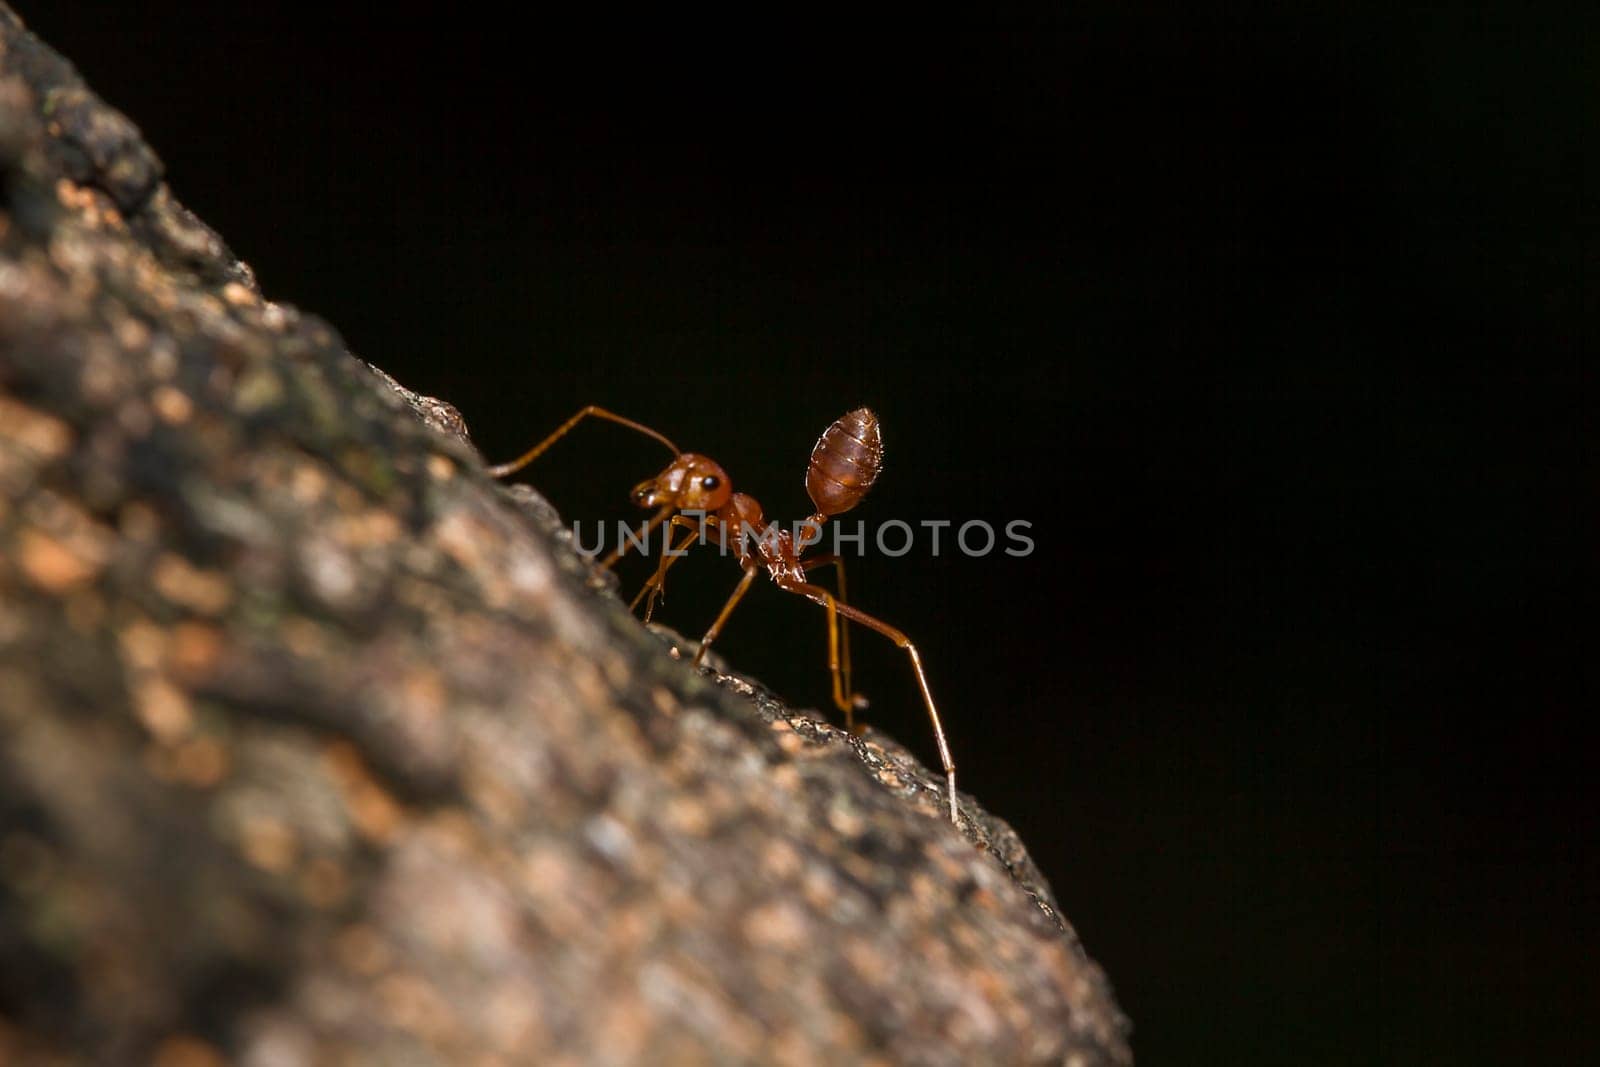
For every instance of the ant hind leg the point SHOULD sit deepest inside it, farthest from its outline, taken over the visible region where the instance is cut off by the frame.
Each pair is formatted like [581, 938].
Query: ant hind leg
[845, 697]
[819, 595]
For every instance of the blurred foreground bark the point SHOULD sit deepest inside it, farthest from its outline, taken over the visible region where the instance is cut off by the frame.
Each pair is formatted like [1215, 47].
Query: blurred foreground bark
[319, 746]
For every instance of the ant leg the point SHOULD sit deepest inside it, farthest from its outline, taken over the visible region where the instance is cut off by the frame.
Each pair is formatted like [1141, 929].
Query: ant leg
[819, 595]
[641, 540]
[669, 554]
[727, 609]
[845, 698]
[500, 470]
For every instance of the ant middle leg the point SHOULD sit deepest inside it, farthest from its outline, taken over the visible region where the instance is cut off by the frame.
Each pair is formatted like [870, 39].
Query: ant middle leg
[750, 572]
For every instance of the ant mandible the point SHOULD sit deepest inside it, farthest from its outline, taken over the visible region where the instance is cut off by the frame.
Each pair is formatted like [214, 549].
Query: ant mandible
[844, 464]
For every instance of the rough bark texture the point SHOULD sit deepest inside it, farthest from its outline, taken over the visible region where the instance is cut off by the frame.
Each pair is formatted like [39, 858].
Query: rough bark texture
[318, 745]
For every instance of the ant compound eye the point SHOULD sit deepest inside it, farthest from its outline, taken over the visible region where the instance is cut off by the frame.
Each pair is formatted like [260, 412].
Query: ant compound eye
[710, 481]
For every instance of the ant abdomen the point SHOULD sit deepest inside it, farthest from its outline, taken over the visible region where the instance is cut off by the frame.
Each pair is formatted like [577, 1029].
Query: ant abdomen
[845, 462]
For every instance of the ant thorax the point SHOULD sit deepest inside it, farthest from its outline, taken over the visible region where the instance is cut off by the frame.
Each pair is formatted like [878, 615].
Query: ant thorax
[742, 524]
[777, 552]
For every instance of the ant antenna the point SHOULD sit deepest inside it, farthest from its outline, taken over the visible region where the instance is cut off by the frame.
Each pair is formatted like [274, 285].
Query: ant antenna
[503, 469]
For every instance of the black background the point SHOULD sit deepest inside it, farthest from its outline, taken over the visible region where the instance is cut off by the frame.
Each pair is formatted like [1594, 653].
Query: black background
[1280, 334]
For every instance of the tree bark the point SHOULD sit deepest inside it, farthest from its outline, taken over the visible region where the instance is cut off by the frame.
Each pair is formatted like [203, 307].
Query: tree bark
[319, 745]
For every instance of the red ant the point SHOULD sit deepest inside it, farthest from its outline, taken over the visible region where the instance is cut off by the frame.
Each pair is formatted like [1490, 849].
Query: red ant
[844, 464]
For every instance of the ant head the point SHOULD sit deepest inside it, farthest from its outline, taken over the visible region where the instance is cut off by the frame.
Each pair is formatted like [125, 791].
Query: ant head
[690, 483]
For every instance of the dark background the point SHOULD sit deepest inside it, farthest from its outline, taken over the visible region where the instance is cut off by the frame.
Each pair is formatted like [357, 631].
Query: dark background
[1280, 333]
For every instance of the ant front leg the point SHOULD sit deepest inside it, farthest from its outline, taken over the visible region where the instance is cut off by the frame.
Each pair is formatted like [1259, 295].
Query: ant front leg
[845, 698]
[670, 553]
[639, 541]
[819, 595]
